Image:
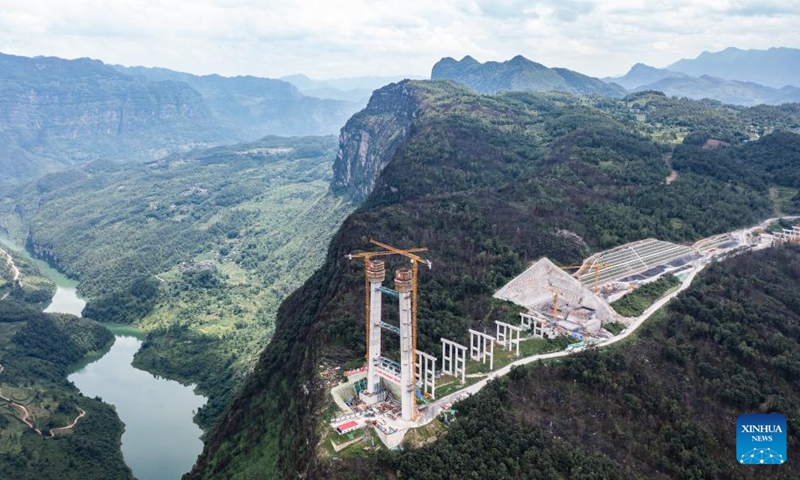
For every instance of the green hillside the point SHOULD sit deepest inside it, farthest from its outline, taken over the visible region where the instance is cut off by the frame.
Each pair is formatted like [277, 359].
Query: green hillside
[197, 249]
[488, 184]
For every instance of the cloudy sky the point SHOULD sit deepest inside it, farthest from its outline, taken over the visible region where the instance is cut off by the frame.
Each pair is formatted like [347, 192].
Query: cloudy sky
[329, 38]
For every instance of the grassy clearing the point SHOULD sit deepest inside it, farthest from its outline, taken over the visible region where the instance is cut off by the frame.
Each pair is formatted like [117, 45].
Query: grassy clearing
[782, 198]
[614, 327]
[635, 303]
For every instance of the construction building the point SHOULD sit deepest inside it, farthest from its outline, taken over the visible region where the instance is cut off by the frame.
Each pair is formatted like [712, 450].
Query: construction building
[556, 299]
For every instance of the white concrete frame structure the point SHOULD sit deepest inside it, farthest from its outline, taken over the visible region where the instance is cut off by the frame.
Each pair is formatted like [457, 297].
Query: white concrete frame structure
[454, 359]
[481, 346]
[377, 274]
[791, 236]
[402, 282]
[509, 335]
[526, 320]
[426, 373]
[538, 329]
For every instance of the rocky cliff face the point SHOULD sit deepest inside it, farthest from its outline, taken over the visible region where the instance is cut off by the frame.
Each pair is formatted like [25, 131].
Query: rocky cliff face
[58, 112]
[370, 139]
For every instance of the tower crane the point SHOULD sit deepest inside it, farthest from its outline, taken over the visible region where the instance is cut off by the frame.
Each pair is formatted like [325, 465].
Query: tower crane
[556, 292]
[415, 261]
[596, 266]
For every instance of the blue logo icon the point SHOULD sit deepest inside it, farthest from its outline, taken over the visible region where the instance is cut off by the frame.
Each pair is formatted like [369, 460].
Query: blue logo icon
[761, 439]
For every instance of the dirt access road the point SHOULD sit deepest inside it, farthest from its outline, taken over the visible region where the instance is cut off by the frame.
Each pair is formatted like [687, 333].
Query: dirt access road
[26, 416]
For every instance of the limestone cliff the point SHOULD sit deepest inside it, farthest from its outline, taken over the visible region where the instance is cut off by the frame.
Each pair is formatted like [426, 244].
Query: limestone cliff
[370, 138]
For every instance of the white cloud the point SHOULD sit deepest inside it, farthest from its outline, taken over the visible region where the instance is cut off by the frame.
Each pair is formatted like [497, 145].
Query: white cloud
[359, 37]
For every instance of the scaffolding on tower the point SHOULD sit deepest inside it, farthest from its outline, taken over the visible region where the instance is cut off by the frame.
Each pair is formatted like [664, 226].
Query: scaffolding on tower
[415, 261]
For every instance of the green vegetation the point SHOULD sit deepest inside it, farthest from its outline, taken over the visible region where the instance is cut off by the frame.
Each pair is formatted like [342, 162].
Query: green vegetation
[61, 339]
[36, 290]
[663, 407]
[614, 327]
[35, 351]
[780, 225]
[488, 184]
[636, 302]
[197, 250]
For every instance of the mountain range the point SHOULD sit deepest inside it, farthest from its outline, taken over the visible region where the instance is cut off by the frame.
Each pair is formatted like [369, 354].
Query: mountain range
[732, 76]
[674, 83]
[57, 113]
[253, 106]
[774, 67]
[490, 166]
[522, 74]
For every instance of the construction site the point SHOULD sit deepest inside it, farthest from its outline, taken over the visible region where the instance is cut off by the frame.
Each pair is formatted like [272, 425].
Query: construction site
[394, 395]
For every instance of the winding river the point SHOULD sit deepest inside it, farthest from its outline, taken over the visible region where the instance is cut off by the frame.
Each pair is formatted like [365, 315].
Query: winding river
[161, 440]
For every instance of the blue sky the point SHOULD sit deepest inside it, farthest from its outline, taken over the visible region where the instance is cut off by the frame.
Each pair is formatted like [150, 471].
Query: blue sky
[326, 39]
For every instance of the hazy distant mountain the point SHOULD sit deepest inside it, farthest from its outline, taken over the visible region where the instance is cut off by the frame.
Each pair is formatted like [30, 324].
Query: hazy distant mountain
[726, 91]
[255, 106]
[776, 67]
[519, 73]
[356, 89]
[58, 112]
[641, 74]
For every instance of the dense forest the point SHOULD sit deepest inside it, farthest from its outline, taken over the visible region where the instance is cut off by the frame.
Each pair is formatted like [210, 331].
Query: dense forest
[197, 249]
[488, 184]
[36, 350]
[662, 406]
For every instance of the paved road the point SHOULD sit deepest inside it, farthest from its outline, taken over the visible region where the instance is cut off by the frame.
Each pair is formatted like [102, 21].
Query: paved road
[435, 406]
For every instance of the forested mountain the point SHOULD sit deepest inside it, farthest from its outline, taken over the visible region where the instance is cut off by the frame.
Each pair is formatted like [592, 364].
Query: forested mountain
[519, 73]
[35, 351]
[198, 248]
[253, 107]
[775, 67]
[59, 113]
[488, 184]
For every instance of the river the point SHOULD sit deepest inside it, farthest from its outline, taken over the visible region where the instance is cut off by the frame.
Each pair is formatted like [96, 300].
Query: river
[161, 440]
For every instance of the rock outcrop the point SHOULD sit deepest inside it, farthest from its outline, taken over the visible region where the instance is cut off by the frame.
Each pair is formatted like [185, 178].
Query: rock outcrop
[370, 139]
